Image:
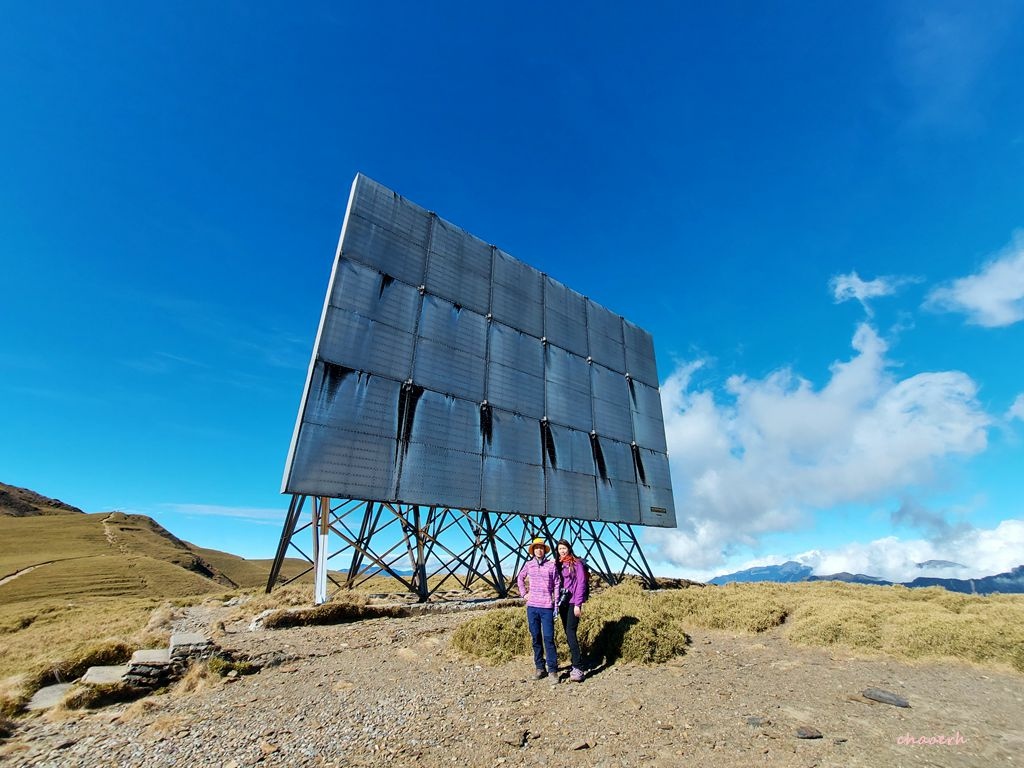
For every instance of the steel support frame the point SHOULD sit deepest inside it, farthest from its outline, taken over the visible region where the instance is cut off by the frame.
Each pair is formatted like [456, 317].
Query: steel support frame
[431, 546]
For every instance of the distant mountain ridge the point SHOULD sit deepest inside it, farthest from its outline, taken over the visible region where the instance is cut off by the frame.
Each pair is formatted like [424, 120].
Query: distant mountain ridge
[1011, 582]
[787, 572]
[21, 502]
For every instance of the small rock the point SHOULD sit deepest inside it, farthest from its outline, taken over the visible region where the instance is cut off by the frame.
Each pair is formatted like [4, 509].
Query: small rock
[580, 745]
[885, 697]
[807, 732]
[65, 744]
[267, 748]
[839, 740]
[756, 721]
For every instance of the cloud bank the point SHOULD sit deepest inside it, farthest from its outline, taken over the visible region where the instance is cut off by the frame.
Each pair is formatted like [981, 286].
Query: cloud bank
[763, 454]
[984, 552]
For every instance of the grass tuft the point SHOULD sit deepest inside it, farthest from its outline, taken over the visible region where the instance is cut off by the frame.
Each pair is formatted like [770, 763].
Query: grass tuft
[626, 623]
[334, 612]
[95, 696]
[221, 667]
[74, 666]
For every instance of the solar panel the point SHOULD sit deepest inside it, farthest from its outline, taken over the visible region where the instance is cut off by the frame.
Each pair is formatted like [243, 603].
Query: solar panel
[448, 373]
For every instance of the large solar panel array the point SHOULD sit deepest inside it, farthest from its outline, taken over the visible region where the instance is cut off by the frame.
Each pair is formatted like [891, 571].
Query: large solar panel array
[448, 373]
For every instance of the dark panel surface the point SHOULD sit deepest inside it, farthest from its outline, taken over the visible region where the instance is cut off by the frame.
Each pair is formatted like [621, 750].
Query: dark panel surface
[459, 267]
[571, 494]
[428, 472]
[565, 317]
[376, 296]
[409, 301]
[509, 486]
[366, 345]
[517, 297]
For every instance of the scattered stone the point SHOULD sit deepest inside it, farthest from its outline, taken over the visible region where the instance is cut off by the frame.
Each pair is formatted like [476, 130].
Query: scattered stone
[65, 744]
[885, 697]
[807, 732]
[516, 739]
[580, 745]
[839, 740]
[257, 623]
[756, 721]
[48, 696]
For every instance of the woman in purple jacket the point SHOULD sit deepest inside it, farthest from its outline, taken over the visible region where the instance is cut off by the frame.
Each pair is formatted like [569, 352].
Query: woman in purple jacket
[538, 583]
[573, 578]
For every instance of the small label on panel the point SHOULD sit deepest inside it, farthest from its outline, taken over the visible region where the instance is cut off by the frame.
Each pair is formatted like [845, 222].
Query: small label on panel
[659, 510]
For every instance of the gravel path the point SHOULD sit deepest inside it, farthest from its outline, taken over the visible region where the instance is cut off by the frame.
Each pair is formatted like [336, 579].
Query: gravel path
[391, 692]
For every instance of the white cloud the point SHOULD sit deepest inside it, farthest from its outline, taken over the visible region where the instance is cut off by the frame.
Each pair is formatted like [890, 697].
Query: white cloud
[984, 552]
[254, 514]
[847, 287]
[1016, 411]
[761, 458]
[980, 552]
[993, 296]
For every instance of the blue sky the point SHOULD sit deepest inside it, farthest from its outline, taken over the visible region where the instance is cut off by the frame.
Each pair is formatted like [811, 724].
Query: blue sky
[816, 209]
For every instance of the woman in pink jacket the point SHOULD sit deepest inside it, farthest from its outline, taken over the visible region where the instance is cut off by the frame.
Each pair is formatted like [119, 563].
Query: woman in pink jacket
[538, 583]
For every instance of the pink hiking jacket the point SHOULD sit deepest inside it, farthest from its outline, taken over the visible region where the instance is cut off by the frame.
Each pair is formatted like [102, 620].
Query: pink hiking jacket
[542, 582]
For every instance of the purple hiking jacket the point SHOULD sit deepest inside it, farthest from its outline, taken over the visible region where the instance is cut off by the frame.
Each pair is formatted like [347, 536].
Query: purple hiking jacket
[574, 579]
[543, 583]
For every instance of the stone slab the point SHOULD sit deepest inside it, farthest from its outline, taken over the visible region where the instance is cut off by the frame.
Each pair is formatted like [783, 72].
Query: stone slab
[104, 675]
[151, 657]
[188, 638]
[48, 696]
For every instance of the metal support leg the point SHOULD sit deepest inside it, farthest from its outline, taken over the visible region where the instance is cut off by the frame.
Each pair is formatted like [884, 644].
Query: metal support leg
[321, 528]
[462, 545]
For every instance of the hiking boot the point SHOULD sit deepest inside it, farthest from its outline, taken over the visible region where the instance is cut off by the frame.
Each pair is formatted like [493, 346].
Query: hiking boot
[576, 675]
[553, 678]
[539, 674]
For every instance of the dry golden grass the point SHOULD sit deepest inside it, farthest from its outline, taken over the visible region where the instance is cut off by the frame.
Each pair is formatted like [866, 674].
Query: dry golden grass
[909, 623]
[648, 627]
[342, 609]
[622, 623]
[197, 678]
[54, 640]
[143, 708]
[247, 574]
[94, 696]
[168, 723]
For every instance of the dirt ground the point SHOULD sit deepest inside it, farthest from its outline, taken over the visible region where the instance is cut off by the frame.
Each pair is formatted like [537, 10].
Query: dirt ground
[391, 691]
